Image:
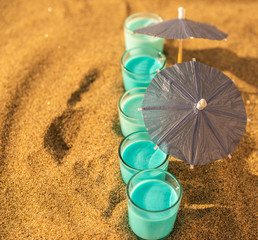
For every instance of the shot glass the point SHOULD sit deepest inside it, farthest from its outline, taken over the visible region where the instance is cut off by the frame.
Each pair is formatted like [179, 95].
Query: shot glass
[140, 65]
[136, 152]
[131, 119]
[139, 20]
[153, 199]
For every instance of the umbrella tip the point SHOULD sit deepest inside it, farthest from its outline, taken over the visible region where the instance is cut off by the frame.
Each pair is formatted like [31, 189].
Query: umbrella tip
[181, 13]
[157, 70]
[139, 109]
[156, 147]
[229, 156]
[194, 59]
[201, 104]
[191, 166]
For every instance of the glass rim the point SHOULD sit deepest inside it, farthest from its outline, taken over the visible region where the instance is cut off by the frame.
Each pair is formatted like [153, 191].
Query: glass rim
[120, 99]
[163, 58]
[121, 158]
[152, 15]
[154, 211]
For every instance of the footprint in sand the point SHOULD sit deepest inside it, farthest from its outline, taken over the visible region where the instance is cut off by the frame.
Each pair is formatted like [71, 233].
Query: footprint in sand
[64, 128]
[116, 196]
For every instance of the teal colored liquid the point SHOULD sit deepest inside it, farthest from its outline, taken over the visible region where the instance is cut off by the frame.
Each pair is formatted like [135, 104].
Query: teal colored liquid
[142, 155]
[139, 23]
[131, 105]
[133, 121]
[143, 65]
[153, 195]
[140, 71]
[141, 40]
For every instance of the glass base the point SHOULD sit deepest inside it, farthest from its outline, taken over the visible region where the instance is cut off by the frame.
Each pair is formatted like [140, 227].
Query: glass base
[164, 238]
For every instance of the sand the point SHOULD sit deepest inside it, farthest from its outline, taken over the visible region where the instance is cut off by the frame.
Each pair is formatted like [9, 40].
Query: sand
[59, 127]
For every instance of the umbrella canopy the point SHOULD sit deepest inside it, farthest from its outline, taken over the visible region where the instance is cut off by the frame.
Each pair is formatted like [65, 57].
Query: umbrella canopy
[194, 113]
[181, 28]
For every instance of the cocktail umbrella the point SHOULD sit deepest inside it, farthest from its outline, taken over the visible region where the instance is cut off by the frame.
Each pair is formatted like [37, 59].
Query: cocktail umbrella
[194, 112]
[181, 28]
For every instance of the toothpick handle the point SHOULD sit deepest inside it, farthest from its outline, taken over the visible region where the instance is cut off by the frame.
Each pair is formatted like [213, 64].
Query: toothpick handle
[180, 51]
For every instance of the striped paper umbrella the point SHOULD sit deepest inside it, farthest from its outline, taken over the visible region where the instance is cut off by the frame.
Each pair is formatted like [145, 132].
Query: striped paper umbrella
[181, 28]
[194, 112]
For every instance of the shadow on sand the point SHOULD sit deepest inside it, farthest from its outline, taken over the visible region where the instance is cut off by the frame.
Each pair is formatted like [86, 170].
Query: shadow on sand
[216, 196]
[220, 58]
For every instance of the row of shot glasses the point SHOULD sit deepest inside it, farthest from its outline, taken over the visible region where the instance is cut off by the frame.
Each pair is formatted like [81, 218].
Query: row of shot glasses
[153, 194]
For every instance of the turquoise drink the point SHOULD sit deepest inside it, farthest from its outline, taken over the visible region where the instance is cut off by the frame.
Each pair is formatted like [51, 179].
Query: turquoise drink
[131, 119]
[140, 65]
[136, 152]
[153, 198]
[139, 20]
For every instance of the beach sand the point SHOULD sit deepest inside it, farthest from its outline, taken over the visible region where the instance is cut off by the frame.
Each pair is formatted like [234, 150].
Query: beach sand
[59, 128]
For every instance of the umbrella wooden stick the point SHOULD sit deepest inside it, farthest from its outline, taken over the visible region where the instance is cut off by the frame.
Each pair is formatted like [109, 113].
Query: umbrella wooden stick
[180, 51]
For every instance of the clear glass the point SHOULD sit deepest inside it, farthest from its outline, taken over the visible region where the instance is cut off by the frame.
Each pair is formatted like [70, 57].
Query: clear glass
[139, 66]
[131, 119]
[139, 20]
[153, 198]
[136, 152]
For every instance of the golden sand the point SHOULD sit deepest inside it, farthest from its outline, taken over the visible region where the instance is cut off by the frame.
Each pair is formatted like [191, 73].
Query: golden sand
[59, 128]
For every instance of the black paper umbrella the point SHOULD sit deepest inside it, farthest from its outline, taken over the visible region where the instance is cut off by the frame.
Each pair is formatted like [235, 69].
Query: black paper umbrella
[181, 28]
[194, 112]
